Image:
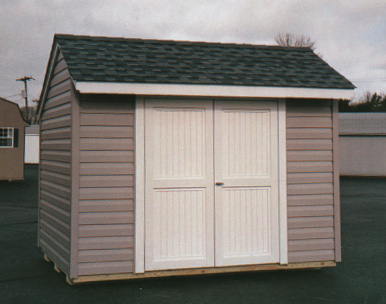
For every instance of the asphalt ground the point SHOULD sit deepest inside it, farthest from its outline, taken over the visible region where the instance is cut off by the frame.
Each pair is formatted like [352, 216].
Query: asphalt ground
[26, 278]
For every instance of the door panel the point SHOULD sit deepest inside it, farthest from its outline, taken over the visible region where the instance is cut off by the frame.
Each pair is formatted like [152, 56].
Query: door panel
[179, 215]
[179, 142]
[245, 148]
[191, 222]
[246, 213]
[246, 205]
[179, 191]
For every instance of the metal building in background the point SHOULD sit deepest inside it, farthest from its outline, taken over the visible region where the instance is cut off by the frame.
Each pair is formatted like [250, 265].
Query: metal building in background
[362, 138]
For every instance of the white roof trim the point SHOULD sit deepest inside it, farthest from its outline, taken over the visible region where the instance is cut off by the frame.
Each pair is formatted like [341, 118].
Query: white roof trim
[209, 90]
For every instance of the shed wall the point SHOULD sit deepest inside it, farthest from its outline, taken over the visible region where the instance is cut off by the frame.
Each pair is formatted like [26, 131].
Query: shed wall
[106, 181]
[55, 168]
[12, 159]
[310, 178]
[106, 194]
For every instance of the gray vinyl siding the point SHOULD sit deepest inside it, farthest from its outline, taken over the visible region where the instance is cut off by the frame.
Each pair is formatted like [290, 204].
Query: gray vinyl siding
[310, 190]
[106, 181]
[55, 169]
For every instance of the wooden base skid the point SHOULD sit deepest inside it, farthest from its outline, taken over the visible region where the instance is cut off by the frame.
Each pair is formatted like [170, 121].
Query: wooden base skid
[56, 267]
[197, 271]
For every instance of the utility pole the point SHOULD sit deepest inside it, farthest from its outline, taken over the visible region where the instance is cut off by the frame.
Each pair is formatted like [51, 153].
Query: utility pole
[25, 79]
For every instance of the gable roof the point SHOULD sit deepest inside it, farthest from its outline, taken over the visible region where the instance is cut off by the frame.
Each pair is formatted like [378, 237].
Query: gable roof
[16, 109]
[103, 65]
[119, 60]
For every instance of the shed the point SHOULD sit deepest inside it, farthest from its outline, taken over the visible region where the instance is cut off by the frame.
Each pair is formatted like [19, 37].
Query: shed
[12, 125]
[163, 158]
[32, 144]
[362, 138]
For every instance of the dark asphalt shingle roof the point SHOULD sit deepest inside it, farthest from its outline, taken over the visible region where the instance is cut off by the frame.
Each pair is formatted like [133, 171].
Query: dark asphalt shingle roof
[103, 59]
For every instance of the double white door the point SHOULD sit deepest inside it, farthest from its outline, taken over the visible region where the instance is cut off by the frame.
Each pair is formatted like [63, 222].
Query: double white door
[211, 186]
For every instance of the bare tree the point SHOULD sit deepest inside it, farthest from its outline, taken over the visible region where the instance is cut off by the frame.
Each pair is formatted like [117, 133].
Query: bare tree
[32, 112]
[288, 39]
[368, 102]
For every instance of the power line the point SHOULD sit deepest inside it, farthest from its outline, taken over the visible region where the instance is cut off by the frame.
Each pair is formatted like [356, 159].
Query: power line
[18, 99]
[12, 96]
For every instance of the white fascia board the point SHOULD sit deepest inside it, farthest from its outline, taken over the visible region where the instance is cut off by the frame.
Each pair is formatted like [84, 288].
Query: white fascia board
[209, 90]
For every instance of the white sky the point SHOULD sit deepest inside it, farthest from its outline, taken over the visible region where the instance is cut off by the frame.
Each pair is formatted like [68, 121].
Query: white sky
[349, 34]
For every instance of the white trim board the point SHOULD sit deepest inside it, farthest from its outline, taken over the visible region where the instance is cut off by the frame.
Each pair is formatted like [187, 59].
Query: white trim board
[282, 182]
[139, 262]
[209, 90]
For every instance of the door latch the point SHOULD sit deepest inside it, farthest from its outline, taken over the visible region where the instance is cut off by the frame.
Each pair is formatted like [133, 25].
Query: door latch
[219, 184]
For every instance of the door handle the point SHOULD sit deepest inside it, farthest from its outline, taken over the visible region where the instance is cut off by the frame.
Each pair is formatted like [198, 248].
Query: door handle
[219, 184]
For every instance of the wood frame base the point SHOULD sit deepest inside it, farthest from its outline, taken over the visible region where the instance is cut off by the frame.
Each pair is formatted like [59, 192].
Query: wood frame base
[197, 271]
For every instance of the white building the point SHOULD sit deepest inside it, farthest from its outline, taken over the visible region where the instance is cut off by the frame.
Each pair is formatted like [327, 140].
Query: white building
[31, 155]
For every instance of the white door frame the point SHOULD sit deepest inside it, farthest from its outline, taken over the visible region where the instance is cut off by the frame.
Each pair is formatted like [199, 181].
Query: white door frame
[139, 263]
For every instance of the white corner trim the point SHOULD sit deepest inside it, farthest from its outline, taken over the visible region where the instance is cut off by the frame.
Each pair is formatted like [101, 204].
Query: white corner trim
[139, 257]
[283, 236]
[209, 90]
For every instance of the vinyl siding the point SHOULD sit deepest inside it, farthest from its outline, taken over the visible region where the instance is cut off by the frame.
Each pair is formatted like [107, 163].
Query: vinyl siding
[106, 181]
[55, 169]
[310, 189]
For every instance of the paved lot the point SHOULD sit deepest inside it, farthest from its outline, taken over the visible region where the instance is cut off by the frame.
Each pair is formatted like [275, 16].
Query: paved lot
[26, 278]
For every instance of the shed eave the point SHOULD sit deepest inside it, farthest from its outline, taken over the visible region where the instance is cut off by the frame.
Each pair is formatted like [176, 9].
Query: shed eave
[209, 90]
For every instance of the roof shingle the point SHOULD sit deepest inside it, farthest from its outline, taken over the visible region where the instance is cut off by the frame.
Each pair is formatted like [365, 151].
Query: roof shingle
[103, 59]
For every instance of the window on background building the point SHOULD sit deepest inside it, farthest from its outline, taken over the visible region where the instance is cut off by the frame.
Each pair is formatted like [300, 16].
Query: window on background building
[6, 137]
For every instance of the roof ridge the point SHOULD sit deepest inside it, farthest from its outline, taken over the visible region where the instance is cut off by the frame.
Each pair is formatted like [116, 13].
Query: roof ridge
[179, 42]
[10, 101]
